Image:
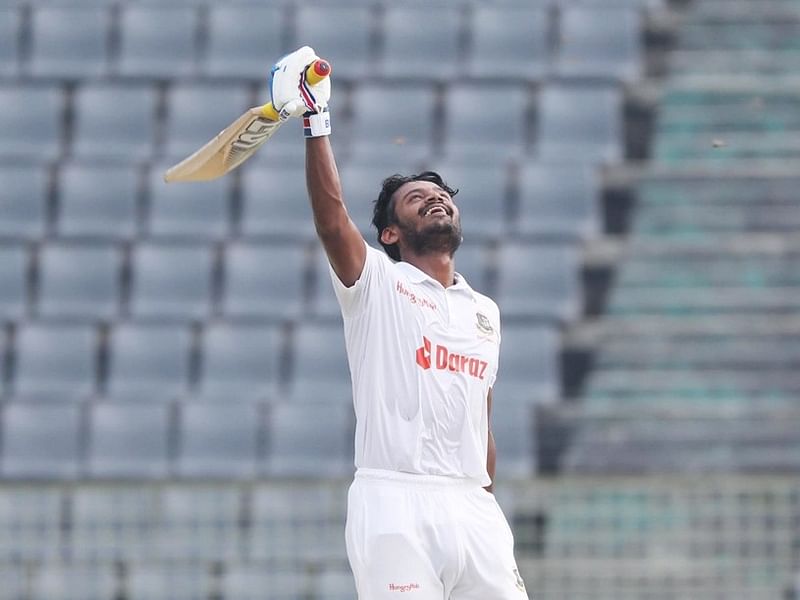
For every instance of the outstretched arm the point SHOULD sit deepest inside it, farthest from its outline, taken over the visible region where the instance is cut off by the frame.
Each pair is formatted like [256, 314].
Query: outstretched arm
[339, 235]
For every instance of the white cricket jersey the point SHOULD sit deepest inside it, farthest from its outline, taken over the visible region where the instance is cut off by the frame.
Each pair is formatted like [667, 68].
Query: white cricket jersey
[422, 359]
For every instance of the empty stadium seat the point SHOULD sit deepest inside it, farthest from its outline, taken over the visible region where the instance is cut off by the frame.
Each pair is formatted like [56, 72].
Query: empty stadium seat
[147, 581]
[55, 361]
[482, 198]
[275, 203]
[31, 121]
[319, 364]
[14, 275]
[243, 39]
[298, 523]
[219, 440]
[408, 133]
[420, 42]
[560, 199]
[10, 26]
[190, 211]
[240, 362]
[112, 522]
[87, 208]
[509, 41]
[24, 193]
[338, 583]
[157, 41]
[79, 281]
[264, 281]
[538, 280]
[69, 42]
[600, 41]
[41, 441]
[529, 365]
[197, 111]
[580, 122]
[247, 582]
[472, 260]
[323, 302]
[148, 363]
[73, 582]
[30, 524]
[486, 123]
[199, 523]
[128, 441]
[341, 32]
[171, 281]
[514, 434]
[313, 438]
[114, 121]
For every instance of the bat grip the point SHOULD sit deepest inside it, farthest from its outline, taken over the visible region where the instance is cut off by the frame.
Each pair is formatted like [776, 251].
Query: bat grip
[316, 72]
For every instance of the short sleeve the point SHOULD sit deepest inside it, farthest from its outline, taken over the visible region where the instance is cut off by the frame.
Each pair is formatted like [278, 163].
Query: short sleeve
[374, 275]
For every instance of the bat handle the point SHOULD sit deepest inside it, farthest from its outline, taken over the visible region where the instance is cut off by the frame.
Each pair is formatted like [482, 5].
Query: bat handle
[316, 72]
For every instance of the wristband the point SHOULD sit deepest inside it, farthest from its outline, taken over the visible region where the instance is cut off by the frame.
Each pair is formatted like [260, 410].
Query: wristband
[317, 124]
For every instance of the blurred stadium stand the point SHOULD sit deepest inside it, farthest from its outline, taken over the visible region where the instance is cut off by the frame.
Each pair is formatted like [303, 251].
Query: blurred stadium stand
[174, 396]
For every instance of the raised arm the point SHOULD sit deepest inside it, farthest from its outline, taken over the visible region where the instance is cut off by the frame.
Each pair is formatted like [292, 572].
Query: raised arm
[339, 235]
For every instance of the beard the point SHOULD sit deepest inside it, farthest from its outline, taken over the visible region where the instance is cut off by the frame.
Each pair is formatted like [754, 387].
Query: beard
[434, 238]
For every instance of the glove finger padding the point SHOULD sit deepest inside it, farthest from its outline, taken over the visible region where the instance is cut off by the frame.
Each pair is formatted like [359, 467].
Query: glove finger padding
[290, 92]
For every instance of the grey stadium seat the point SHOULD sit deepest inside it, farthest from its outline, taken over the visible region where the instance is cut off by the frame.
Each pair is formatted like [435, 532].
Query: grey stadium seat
[128, 441]
[405, 135]
[538, 280]
[14, 275]
[148, 581]
[199, 523]
[324, 303]
[148, 363]
[190, 211]
[31, 121]
[242, 39]
[420, 42]
[112, 522]
[114, 121]
[87, 208]
[247, 582]
[319, 364]
[79, 281]
[219, 440]
[56, 362]
[486, 123]
[196, 112]
[509, 41]
[30, 524]
[341, 32]
[559, 199]
[74, 582]
[10, 27]
[24, 191]
[157, 41]
[529, 365]
[600, 41]
[580, 123]
[40, 441]
[69, 42]
[310, 439]
[482, 197]
[171, 281]
[514, 434]
[275, 203]
[240, 362]
[264, 281]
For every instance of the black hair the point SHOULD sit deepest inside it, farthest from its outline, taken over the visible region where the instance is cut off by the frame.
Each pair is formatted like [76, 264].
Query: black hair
[383, 213]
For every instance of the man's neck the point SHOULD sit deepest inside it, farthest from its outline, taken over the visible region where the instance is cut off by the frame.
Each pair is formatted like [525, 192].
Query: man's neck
[440, 266]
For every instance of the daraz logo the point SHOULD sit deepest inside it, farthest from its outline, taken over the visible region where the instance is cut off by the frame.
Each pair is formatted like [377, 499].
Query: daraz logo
[444, 360]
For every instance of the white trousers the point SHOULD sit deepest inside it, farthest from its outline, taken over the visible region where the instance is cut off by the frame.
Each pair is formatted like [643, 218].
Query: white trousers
[424, 537]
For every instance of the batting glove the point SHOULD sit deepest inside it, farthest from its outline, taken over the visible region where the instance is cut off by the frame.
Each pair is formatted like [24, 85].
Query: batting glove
[291, 95]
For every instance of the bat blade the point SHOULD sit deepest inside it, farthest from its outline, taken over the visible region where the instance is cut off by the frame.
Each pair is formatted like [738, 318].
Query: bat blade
[227, 150]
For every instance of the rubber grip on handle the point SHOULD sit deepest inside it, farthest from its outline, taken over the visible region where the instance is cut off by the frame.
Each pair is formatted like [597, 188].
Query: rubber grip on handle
[316, 72]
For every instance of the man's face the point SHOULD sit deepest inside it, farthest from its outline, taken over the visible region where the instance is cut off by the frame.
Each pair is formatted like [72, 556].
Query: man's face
[427, 218]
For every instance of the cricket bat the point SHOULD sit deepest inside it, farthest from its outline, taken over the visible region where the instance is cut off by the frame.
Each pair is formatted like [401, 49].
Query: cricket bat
[239, 140]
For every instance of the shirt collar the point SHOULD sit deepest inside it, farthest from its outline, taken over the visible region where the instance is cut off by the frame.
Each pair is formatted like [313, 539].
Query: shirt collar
[416, 275]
